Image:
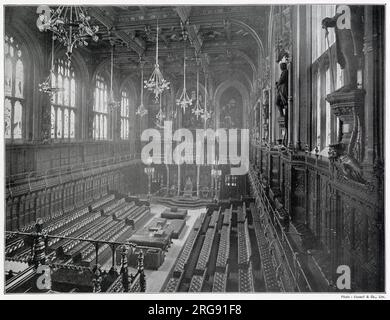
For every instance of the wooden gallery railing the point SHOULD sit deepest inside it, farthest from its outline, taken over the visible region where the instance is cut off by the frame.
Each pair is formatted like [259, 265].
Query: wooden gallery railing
[289, 271]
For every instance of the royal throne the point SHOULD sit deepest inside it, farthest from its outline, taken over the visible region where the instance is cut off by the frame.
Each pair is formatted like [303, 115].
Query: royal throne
[188, 188]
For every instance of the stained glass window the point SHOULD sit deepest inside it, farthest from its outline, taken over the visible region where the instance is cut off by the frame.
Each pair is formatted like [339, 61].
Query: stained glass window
[64, 106]
[100, 109]
[14, 80]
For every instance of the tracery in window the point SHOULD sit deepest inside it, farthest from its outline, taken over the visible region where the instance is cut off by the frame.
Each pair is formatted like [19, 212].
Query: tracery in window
[327, 77]
[64, 102]
[125, 115]
[100, 109]
[14, 81]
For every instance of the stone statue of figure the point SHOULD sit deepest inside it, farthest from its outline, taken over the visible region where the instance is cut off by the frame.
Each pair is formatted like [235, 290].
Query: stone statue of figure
[282, 89]
[348, 165]
[349, 41]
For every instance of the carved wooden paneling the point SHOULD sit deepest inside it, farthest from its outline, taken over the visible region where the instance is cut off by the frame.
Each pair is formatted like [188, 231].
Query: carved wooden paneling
[21, 212]
[347, 232]
[298, 195]
[311, 199]
[323, 208]
[30, 209]
[264, 162]
[41, 158]
[40, 203]
[275, 171]
[8, 214]
[96, 187]
[46, 210]
[14, 214]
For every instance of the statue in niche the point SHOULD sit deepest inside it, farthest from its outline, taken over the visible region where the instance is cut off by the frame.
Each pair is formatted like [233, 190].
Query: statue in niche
[282, 90]
[349, 41]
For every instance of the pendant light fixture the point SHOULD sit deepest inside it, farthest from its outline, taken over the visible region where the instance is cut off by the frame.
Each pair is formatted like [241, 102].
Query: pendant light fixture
[142, 111]
[160, 117]
[184, 101]
[70, 25]
[197, 111]
[156, 83]
[48, 86]
[111, 101]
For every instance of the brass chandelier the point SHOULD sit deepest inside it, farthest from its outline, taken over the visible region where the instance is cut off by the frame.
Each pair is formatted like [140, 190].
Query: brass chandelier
[70, 26]
[184, 100]
[156, 83]
[48, 86]
[197, 110]
[142, 111]
[112, 103]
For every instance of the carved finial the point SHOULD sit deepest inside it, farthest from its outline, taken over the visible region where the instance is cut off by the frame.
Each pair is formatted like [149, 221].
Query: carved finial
[124, 268]
[39, 246]
[141, 272]
[97, 280]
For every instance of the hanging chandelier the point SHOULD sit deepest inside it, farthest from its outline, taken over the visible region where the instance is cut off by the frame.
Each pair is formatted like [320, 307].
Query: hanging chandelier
[160, 116]
[156, 83]
[197, 111]
[142, 111]
[47, 86]
[111, 100]
[184, 101]
[70, 25]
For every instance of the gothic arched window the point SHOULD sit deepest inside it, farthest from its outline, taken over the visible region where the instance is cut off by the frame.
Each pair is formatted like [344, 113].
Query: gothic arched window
[100, 119]
[125, 115]
[327, 77]
[63, 107]
[14, 81]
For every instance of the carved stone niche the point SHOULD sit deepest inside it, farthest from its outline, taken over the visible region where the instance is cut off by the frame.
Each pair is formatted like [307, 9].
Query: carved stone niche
[348, 107]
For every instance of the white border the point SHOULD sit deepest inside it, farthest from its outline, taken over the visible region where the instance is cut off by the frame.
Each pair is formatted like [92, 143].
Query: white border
[186, 296]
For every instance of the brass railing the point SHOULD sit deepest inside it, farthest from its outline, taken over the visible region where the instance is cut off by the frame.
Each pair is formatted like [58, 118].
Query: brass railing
[38, 256]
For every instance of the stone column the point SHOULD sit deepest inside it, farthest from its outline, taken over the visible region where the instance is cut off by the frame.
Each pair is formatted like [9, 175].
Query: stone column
[212, 182]
[290, 111]
[373, 77]
[197, 181]
[178, 179]
[167, 166]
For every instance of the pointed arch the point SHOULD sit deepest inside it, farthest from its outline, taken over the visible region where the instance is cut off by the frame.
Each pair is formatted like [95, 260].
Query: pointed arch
[245, 99]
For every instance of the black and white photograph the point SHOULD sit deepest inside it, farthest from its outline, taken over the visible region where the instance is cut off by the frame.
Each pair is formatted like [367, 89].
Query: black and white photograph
[193, 148]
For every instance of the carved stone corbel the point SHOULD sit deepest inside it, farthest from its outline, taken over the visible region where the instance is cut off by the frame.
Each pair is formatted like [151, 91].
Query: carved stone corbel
[347, 153]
